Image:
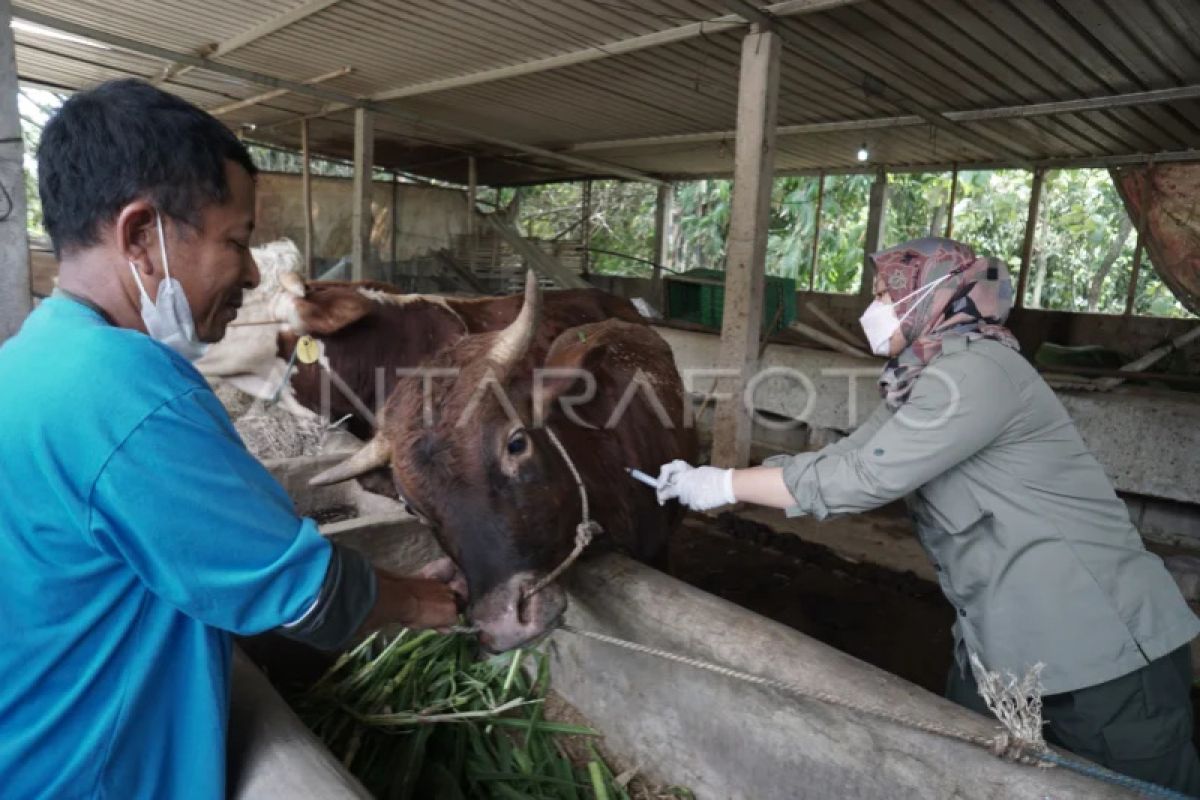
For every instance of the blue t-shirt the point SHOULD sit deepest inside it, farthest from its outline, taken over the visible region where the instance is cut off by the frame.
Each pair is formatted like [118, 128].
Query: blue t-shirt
[136, 532]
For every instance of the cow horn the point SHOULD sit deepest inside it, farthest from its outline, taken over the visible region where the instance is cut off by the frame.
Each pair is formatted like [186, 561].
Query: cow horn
[514, 340]
[372, 455]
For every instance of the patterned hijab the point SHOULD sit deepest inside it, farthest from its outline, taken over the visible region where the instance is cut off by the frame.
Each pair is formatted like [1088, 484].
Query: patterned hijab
[973, 302]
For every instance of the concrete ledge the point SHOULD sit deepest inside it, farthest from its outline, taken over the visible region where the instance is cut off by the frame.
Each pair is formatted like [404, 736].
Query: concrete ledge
[271, 754]
[728, 739]
[394, 542]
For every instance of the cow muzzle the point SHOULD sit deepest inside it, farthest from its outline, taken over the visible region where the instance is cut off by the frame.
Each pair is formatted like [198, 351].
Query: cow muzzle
[508, 617]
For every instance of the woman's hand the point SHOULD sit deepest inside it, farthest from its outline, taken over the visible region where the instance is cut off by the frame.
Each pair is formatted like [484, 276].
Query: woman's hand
[704, 488]
[698, 488]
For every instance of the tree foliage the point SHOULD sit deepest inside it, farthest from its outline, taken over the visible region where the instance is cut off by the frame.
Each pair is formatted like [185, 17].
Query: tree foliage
[1082, 257]
[35, 107]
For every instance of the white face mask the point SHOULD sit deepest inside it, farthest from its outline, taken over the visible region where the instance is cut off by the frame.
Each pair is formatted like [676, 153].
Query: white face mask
[879, 321]
[168, 318]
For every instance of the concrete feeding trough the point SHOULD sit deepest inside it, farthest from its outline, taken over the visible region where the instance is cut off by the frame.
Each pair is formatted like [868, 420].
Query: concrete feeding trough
[719, 736]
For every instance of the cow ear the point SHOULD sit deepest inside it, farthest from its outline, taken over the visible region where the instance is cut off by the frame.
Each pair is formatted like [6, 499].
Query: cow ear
[570, 374]
[328, 309]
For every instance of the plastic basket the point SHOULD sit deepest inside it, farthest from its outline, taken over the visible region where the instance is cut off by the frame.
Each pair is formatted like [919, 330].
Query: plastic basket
[699, 296]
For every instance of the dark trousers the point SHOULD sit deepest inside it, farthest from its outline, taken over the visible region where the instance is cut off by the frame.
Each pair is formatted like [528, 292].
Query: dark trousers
[1139, 724]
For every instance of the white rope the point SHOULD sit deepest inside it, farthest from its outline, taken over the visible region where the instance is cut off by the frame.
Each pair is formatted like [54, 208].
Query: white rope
[997, 743]
[585, 531]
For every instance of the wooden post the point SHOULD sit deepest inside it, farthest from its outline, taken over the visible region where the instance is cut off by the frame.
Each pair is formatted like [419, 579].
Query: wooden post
[15, 292]
[395, 221]
[360, 221]
[586, 228]
[745, 266]
[472, 191]
[816, 248]
[876, 217]
[1140, 247]
[662, 237]
[953, 199]
[472, 213]
[306, 196]
[1035, 202]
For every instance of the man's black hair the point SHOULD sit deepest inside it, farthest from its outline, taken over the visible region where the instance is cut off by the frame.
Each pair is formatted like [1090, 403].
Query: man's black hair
[124, 140]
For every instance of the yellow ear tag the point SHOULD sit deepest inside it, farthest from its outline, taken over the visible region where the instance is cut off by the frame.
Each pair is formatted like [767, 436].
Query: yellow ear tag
[307, 350]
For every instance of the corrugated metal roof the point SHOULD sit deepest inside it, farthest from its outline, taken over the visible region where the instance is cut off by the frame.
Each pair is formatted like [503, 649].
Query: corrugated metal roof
[852, 62]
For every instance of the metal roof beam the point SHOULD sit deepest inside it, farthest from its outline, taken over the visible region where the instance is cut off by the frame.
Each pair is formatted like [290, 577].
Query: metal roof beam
[717, 136]
[632, 45]
[811, 48]
[271, 95]
[264, 28]
[587, 166]
[1126, 100]
[1079, 162]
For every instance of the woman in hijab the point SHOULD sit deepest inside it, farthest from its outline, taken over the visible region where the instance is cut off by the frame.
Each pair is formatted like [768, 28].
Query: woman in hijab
[1030, 543]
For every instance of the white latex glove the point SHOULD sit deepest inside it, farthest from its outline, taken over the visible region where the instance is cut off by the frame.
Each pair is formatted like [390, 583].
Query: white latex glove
[698, 488]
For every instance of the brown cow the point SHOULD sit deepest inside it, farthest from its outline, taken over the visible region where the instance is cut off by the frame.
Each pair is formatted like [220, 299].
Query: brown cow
[480, 462]
[366, 335]
[365, 332]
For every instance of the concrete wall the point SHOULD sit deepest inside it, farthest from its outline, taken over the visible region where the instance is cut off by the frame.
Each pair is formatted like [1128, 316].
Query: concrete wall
[15, 300]
[271, 754]
[1148, 441]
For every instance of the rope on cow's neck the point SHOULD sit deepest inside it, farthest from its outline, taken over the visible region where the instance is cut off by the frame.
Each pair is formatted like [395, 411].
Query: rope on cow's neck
[585, 531]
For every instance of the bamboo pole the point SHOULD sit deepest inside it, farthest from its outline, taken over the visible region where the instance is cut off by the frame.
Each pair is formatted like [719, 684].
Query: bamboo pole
[829, 341]
[833, 325]
[1035, 202]
[953, 200]
[816, 245]
[306, 196]
[1139, 248]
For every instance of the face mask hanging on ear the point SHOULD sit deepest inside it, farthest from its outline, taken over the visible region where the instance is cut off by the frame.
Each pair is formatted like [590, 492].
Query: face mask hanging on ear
[879, 321]
[168, 318]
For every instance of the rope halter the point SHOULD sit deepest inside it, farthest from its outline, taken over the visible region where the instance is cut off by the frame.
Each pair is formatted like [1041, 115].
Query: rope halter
[585, 531]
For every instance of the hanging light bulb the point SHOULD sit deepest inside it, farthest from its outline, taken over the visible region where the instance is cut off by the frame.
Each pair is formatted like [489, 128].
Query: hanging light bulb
[863, 152]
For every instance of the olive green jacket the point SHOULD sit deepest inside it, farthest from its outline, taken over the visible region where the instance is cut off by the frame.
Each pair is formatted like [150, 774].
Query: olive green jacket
[1031, 544]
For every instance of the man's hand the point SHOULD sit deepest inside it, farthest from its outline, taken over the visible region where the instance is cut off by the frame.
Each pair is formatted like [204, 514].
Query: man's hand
[445, 570]
[427, 600]
[698, 488]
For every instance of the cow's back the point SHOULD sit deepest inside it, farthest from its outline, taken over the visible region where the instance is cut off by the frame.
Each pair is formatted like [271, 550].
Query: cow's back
[561, 309]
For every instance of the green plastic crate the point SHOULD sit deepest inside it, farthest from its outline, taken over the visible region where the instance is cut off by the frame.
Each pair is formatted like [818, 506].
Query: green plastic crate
[699, 296]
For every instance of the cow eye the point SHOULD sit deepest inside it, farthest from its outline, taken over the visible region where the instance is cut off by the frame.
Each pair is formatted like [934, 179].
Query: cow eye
[517, 443]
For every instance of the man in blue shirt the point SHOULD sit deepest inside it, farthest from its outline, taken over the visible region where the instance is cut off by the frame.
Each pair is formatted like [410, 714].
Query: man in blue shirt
[136, 531]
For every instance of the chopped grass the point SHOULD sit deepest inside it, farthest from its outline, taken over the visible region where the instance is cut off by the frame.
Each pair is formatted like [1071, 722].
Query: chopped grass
[421, 716]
